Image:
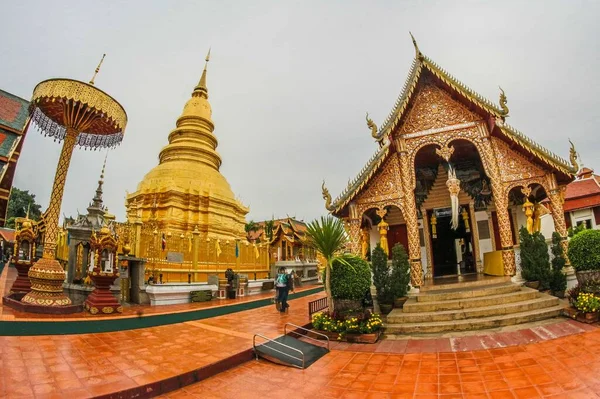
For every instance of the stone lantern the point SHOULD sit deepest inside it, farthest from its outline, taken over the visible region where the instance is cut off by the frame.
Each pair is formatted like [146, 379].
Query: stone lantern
[23, 257]
[103, 273]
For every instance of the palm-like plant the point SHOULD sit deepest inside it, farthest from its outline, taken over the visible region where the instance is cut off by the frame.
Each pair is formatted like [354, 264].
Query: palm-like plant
[328, 237]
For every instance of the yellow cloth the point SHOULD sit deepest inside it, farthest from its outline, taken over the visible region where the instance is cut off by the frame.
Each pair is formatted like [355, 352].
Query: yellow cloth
[256, 253]
[493, 264]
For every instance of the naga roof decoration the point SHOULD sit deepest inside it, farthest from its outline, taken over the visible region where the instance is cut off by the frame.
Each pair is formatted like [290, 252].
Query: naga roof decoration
[362, 179]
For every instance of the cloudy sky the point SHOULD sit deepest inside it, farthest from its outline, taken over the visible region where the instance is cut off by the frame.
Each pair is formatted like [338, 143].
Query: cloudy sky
[290, 82]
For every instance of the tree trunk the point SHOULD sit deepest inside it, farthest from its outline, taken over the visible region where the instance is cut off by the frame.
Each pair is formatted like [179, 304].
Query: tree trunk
[328, 288]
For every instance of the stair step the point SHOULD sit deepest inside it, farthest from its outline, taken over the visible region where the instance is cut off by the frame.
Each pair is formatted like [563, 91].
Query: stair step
[439, 284]
[522, 294]
[474, 324]
[460, 293]
[544, 301]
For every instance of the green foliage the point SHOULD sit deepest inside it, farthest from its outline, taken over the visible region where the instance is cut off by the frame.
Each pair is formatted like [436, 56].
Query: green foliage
[350, 279]
[365, 323]
[269, 227]
[328, 237]
[584, 250]
[18, 203]
[400, 271]
[251, 226]
[587, 302]
[381, 275]
[572, 232]
[535, 261]
[558, 262]
[558, 281]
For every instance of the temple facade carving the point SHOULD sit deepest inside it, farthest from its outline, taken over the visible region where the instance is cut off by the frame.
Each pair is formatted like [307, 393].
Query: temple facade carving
[451, 181]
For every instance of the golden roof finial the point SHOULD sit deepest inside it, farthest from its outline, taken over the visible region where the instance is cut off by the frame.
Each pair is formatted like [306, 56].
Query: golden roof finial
[201, 88]
[503, 102]
[573, 156]
[417, 51]
[97, 69]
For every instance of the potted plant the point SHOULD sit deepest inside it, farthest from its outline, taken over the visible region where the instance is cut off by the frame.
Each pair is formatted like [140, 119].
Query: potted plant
[382, 280]
[558, 279]
[349, 282]
[589, 305]
[535, 261]
[400, 275]
[584, 254]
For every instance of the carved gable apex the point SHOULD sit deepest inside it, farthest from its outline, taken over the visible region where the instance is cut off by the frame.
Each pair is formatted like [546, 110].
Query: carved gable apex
[434, 108]
[384, 186]
[514, 166]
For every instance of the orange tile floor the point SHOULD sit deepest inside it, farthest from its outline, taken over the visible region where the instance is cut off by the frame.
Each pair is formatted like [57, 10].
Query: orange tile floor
[566, 367]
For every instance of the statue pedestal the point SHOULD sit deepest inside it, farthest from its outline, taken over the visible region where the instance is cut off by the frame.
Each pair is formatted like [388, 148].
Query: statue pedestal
[174, 293]
[22, 283]
[102, 300]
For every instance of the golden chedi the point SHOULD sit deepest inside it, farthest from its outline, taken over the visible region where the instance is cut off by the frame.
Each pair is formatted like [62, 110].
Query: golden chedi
[186, 189]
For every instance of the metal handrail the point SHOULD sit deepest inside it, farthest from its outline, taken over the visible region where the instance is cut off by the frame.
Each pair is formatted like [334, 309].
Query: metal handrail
[305, 336]
[279, 343]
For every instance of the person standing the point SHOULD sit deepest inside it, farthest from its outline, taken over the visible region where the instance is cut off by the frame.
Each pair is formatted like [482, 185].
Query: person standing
[281, 286]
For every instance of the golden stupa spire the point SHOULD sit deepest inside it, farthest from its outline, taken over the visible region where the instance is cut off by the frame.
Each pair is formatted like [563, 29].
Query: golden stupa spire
[201, 88]
[97, 69]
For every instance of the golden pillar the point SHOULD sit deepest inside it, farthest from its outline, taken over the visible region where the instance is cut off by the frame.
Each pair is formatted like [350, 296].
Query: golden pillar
[558, 214]
[77, 113]
[475, 233]
[412, 224]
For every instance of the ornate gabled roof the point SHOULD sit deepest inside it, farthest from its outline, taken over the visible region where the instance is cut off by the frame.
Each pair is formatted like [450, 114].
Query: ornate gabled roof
[422, 62]
[362, 179]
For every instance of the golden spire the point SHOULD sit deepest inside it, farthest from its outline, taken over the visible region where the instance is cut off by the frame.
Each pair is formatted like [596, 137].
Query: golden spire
[201, 88]
[417, 51]
[97, 69]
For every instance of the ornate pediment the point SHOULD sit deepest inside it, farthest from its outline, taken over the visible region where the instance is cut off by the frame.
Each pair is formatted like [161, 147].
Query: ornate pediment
[385, 185]
[434, 108]
[513, 165]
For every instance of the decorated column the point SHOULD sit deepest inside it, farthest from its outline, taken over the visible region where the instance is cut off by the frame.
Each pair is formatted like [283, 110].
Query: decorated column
[409, 210]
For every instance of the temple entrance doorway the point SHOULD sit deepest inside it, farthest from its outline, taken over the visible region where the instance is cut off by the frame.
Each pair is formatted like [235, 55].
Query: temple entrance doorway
[452, 249]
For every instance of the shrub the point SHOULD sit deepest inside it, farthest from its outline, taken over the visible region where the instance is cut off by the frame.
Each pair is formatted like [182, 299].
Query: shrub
[535, 261]
[558, 281]
[558, 262]
[381, 275]
[584, 250]
[363, 323]
[400, 271]
[352, 280]
[572, 294]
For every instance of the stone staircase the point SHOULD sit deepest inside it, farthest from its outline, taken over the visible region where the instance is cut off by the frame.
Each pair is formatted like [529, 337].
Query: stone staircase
[474, 305]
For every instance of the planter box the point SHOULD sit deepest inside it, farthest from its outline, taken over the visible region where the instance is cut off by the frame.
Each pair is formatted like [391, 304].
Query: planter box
[589, 318]
[570, 313]
[353, 338]
[363, 338]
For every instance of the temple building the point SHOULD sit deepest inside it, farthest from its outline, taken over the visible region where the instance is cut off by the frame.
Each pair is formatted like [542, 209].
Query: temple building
[451, 180]
[13, 121]
[582, 200]
[185, 190]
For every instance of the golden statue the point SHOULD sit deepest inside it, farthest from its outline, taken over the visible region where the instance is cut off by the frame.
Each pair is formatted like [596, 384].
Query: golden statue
[573, 156]
[433, 226]
[383, 242]
[528, 209]
[373, 128]
[465, 216]
[365, 242]
[503, 103]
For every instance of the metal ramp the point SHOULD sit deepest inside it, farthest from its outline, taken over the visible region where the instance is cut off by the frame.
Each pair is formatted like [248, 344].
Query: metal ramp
[289, 351]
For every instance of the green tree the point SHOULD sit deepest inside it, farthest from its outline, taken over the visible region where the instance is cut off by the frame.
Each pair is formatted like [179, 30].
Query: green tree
[269, 228]
[558, 281]
[400, 271]
[535, 261]
[250, 227]
[328, 237]
[18, 203]
[381, 275]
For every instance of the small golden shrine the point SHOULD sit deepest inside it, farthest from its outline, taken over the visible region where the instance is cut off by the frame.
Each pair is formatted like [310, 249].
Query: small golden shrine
[450, 180]
[186, 189]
